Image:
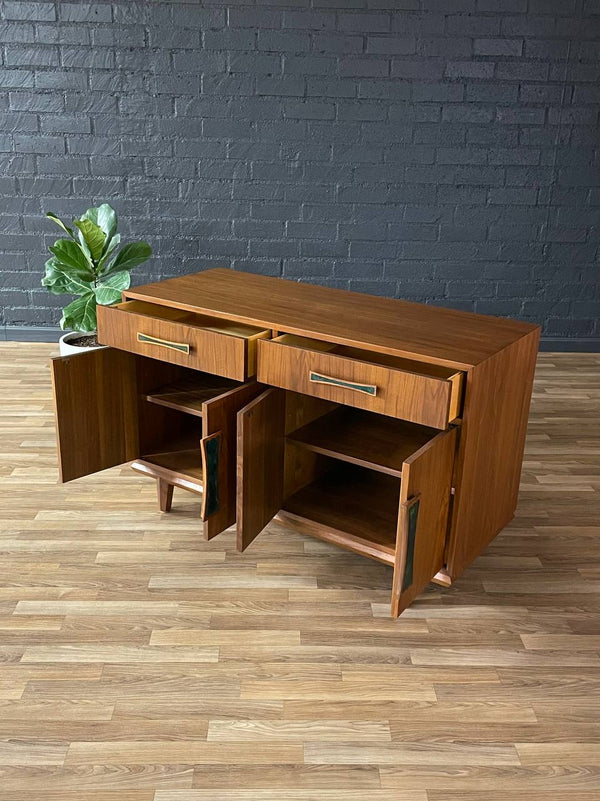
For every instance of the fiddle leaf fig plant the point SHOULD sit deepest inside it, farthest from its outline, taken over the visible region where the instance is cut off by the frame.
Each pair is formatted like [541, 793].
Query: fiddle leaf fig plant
[88, 265]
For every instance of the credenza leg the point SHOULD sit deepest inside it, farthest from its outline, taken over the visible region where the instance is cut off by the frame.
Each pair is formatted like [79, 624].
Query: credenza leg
[165, 494]
[442, 578]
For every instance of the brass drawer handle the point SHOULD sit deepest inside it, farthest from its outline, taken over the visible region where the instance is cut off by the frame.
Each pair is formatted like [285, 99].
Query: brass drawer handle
[366, 389]
[180, 346]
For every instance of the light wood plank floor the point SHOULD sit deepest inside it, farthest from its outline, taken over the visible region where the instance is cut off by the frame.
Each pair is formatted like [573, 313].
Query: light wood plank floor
[140, 663]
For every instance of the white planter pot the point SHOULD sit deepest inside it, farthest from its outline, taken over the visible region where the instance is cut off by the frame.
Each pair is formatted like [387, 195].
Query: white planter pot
[66, 349]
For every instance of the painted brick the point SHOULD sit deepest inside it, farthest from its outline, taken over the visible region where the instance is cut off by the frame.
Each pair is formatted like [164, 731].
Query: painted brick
[528, 25]
[84, 12]
[29, 11]
[521, 71]
[16, 32]
[26, 143]
[61, 80]
[309, 65]
[498, 47]
[450, 47]
[375, 22]
[392, 44]
[472, 25]
[310, 20]
[16, 79]
[492, 92]
[28, 101]
[470, 69]
[440, 151]
[364, 67]
[502, 6]
[418, 69]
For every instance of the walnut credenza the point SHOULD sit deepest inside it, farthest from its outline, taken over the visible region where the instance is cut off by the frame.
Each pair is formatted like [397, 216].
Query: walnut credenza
[393, 429]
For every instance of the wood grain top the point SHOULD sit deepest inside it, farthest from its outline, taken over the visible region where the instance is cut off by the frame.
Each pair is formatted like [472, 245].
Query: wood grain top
[426, 333]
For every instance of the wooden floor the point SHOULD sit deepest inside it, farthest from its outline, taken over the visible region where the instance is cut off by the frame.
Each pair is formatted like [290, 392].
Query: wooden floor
[140, 663]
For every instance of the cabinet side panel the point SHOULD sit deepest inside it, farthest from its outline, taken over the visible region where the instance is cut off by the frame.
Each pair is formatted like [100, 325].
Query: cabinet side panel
[490, 455]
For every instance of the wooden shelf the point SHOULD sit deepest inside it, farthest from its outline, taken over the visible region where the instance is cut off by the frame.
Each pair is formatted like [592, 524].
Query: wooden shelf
[182, 468]
[351, 507]
[188, 394]
[178, 461]
[364, 438]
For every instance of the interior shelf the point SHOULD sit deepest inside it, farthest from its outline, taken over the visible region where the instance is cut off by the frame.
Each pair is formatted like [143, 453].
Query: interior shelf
[187, 464]
[352, 507]
[181, 464]
[363, 438]
[188, 394]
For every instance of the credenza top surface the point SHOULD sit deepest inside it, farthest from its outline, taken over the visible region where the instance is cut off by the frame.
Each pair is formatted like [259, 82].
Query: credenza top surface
[413, 330]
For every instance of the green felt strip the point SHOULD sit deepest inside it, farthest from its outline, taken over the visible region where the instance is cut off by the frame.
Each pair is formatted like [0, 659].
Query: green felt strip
[413, 513]
[211, 479]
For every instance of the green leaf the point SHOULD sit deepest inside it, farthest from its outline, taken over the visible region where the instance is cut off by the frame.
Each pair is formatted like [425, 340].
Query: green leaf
[72, 255]
[60, 280]
[105, 217]
[109, 291]
[51, 216]
[93, 236]
[103, 264]
[80, 315]
[107, 220]
[130, 256]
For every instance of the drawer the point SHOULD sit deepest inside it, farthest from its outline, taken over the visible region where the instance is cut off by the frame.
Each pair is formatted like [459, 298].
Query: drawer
[216, 346]
[421, 393]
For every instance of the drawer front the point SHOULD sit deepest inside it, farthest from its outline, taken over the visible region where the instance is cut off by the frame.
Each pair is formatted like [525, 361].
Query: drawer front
[418, 398]
[174, 342]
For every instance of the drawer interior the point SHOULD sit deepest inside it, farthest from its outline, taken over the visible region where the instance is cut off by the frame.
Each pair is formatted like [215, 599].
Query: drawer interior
[216, 324]
[394, 362]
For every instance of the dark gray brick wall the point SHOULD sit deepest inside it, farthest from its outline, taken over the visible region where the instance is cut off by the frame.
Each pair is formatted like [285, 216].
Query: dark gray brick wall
[442, 151]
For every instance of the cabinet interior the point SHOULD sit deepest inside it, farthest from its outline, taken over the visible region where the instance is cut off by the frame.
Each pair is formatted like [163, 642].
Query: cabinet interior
[170, 424]
[343, 473]
[342, 467]
[363, 438]
[352, 505]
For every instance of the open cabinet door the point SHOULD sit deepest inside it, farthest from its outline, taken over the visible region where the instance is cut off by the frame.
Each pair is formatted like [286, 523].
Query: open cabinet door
[260, 457]
[96, 411]
[219, 418]
[423, 518]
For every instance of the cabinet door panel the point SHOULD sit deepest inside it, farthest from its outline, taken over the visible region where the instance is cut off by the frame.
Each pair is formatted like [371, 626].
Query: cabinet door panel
[219, 415]
[423, 519]
[96, 411]
[261, 445]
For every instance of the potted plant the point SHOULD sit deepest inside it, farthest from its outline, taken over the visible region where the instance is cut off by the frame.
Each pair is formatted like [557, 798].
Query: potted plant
[88, 265]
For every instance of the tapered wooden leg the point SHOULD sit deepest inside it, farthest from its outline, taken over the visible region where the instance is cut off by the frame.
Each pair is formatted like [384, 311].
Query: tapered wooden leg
[165, 494]
[442, 578]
